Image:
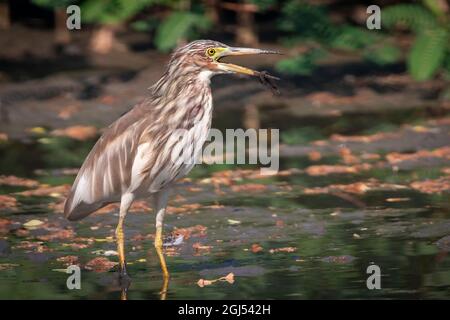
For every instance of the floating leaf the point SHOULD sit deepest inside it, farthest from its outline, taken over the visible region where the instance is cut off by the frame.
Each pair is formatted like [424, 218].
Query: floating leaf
[285, 249]
[68, 260]
[256, 248]
[233, 222]
[7, 202]
[7, 266]
[100, 264]
[33, 224]
[18, 182]
[228, 278]
[76, 132]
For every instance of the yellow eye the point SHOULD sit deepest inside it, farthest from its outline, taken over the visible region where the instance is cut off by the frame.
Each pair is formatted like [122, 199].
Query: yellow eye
[210, 52]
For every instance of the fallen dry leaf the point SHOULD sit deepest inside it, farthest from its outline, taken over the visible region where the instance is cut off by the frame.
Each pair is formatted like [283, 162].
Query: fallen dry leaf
[256, 248]
[314, 156]
[194, 231]
[68, 260]
[322, 170]
[432, 186]
[45, 190]
[68, 111]
[201, 248]
[365, 139]
[107, 99]
[189, 207]
[233, 222]
[33, 224]
[100, 264]
[285, 249]
[249, 187]
[347, 156]
[396, 157]
[202, 283]
[57, 235]
[76, 132]
[7, 202]
[21, 232]
[229, 177]
[354, 188]
[171, 251]
[140, 206]
[228, 278]
[4, 225]
[18, 182]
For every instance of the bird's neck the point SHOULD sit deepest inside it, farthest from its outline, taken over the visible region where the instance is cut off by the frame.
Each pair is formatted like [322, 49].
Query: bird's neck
[178, 81]
[184, 98]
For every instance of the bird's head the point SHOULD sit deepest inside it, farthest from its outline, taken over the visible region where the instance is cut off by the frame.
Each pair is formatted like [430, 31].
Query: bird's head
[205, 58]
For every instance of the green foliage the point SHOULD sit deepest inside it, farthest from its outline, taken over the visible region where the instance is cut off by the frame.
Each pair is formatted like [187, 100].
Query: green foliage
[301, 135]
[112, 11]
[428, 53]
[302, 21]
[53, 3]
[411, 16]
[383, 55]
[302, 64]
[430, 50]
[434, 6]
[264, 4]
[178, 25]
[145, 25]
[353, 38]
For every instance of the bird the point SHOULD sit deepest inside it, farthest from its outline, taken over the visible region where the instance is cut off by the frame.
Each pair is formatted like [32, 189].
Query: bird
[145, 151]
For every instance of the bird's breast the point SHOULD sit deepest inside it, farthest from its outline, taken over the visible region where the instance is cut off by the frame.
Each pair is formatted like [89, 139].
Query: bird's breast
[178, 152]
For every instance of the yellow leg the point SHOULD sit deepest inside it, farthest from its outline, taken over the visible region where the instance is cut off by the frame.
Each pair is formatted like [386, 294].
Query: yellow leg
[123, 294]
[162, 261]
[120, 248]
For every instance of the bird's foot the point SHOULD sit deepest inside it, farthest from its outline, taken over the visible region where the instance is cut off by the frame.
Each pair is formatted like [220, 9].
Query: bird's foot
[123, 275]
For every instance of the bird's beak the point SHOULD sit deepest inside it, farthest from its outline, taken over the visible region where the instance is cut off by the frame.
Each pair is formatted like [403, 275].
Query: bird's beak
[233, 51]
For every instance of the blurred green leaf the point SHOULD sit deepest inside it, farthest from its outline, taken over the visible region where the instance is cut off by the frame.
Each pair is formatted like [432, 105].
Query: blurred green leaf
[177, 26]
[302, 64]
[264, 4]
[145, 25]
[112, 11]
[427, 53]
[54, 3]
[301, 135]
[413, 16]
[435, 7]
[305, 21]
[383, 55]
[353, 38]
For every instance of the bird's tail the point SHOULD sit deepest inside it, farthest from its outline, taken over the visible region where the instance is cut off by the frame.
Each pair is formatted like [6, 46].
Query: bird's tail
[81, 209]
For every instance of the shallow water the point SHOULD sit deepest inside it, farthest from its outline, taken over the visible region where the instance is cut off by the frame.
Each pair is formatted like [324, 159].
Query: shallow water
[333, 239]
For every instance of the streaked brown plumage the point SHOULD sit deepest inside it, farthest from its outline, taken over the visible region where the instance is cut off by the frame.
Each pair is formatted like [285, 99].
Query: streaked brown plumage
[146, 150]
